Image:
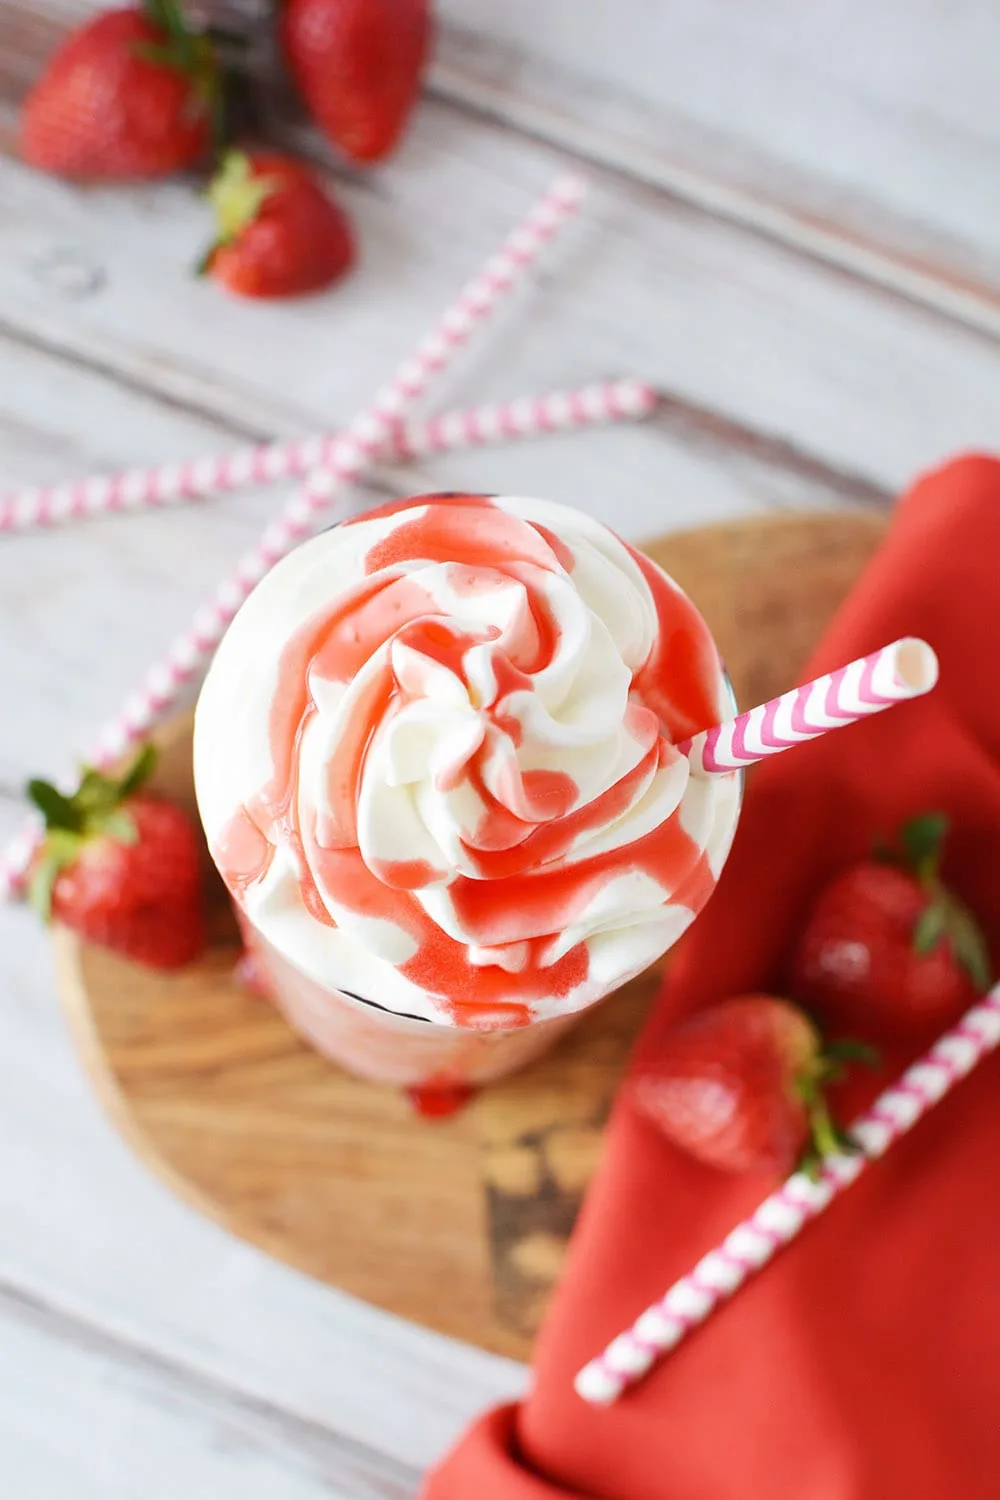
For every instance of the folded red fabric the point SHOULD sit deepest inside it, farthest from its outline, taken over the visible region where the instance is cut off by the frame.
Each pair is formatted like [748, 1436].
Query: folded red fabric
[864, 1363]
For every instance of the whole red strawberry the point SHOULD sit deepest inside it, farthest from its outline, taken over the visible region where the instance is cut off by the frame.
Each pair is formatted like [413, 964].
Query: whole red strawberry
[740, 1086]
[888, 951]
[279, 233]
[130, 94]
[358, 66]
[121, 868]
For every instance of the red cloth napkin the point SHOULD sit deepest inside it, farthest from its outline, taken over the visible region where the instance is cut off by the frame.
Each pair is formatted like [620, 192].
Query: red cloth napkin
[863, 1363]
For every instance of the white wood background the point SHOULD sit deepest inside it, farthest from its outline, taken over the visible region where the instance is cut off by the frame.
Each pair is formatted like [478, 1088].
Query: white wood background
[793, 231]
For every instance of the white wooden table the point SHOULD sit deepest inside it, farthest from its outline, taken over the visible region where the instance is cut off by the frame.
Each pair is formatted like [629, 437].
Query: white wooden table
[793, 231]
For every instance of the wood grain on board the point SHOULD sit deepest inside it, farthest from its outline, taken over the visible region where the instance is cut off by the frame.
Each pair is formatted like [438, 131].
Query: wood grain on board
[459, 1224]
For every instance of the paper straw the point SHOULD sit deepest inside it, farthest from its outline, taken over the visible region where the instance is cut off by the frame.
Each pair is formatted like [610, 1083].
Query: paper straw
[906, 669]
[264, 463]
[350, 455]
[782, 1216]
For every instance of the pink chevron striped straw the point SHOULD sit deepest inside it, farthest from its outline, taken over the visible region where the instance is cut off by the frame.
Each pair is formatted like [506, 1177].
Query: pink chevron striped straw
[905, 669]
[264, 463]
[783, 1215]
[349, 456]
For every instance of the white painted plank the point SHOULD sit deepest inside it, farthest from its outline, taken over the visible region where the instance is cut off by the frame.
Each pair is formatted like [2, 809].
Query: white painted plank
[87, 1230]
[884, 120]
[82, 1418]
[870, 135]
[715, 315]
[84, 609]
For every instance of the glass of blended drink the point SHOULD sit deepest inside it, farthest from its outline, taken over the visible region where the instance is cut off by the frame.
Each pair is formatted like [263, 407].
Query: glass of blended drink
[436, 760]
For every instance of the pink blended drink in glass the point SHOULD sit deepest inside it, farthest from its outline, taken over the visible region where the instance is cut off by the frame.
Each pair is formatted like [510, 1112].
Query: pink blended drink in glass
[435, 759]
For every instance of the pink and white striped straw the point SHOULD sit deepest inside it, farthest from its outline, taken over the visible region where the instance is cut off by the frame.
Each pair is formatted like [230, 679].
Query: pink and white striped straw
[905, 669]
[782, 1216]
[197, 478]
[350, 455]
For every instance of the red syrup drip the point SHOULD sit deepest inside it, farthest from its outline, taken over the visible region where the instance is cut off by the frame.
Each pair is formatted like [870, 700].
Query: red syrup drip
[439, 1101]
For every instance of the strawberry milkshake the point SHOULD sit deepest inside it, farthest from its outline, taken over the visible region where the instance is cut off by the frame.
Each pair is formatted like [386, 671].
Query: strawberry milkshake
[436, 761]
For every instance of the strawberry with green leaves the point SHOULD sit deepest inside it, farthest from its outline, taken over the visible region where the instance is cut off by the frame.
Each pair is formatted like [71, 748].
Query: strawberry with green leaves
[133, 93]
[740, 1086]
[888, 951]
[278, 233]
[121, 867]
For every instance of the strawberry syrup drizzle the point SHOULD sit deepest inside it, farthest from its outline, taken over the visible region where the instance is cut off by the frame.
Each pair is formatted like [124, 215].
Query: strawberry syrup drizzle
[552, 898]
[542, 844]
[439, 1101]
[464, 530]
[244, 852]
[676, 680]
[530, 823]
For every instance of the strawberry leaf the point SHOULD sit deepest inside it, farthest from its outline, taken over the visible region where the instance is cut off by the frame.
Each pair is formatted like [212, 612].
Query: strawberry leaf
[922, 840]
[120, 826]
[168, 15]
[138, 772]
[58, 810]
[948, 918]
[848, 1050]
[97, 794]
[237, 196]
[60, 850]
[42, 884]
[968, 944]
[930, 927]
[203, 264]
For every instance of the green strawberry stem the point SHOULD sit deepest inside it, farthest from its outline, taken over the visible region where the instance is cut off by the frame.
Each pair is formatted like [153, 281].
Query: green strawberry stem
[95, 810]
[237, 197]
[193, 54]
[826, 1138]
[825, 1134]
[168, 15]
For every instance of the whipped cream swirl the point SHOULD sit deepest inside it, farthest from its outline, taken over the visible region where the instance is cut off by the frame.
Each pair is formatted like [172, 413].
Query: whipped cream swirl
[435, 758]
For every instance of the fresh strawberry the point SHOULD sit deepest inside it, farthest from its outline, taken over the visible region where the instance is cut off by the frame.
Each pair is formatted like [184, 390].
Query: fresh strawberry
[132, 93]
[279, 234]
[121, 868]
[740, 1086]
[358, 66]
[888, 951]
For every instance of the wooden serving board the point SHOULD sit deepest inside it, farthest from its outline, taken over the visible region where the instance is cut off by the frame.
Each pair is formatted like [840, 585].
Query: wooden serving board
[459, 1224]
